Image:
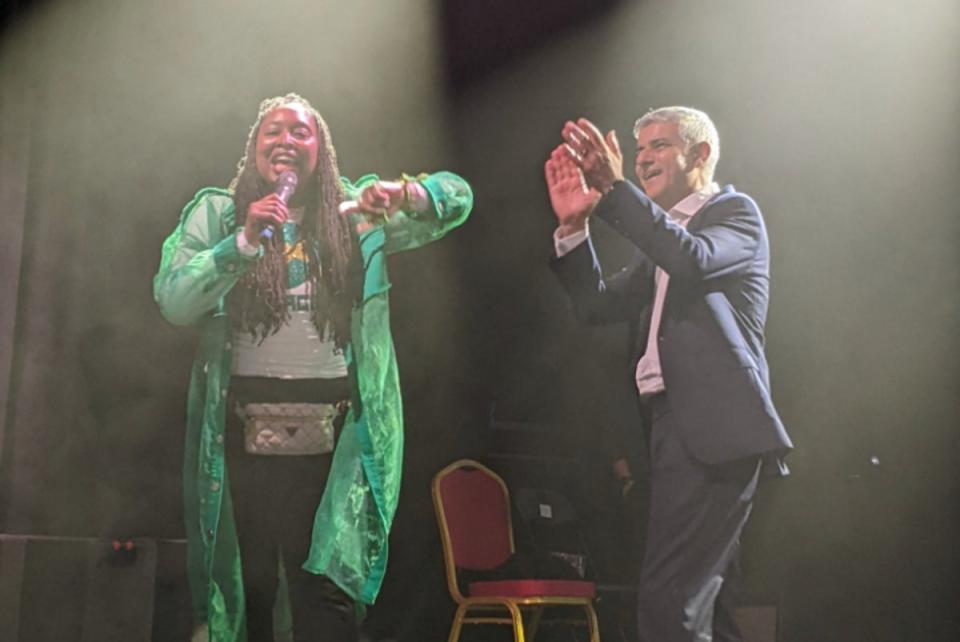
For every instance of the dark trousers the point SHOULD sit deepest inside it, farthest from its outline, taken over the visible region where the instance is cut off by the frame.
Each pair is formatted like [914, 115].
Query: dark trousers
[275, 499]
[697, 513]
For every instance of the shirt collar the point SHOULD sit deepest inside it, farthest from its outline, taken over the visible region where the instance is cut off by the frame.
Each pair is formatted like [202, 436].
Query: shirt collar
[685, 209]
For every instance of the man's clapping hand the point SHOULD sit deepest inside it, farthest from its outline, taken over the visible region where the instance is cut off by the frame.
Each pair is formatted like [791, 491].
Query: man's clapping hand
[598, 156]
[571, 199]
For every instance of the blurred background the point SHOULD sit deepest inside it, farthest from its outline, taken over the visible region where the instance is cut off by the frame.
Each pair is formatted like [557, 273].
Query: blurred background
[840, 119]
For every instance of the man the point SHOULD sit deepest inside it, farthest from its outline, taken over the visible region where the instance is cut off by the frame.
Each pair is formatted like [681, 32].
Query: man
[700, 290]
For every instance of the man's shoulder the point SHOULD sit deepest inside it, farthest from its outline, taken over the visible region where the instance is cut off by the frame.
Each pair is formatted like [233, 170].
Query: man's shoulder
[729, 198]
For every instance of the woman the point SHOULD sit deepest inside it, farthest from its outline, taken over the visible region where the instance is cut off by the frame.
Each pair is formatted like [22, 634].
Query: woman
[290, 292]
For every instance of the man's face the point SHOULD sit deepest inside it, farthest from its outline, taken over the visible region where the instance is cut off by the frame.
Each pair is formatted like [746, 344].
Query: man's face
[287, 140]
[665, 169]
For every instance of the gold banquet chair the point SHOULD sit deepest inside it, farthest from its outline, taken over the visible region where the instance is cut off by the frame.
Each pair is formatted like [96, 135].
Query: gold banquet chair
[472, 505]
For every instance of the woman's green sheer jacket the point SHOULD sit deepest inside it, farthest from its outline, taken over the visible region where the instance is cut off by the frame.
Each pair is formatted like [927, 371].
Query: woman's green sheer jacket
[199, 266]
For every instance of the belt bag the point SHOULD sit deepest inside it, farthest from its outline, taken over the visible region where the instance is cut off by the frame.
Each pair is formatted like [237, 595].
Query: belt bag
[288, 428]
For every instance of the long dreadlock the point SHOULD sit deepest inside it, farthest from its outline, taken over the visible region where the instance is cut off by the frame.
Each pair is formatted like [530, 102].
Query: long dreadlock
[258, 302]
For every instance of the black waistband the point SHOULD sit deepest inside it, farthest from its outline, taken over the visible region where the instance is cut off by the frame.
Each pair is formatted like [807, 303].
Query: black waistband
[273, 390]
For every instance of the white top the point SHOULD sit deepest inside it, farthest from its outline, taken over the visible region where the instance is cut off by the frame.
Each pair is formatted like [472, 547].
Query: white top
[297, 350]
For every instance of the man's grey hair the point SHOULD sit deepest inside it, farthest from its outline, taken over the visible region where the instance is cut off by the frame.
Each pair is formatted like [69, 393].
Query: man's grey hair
[694, 127]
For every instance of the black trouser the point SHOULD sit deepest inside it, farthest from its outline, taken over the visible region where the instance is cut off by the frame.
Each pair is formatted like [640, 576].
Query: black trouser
[275, 499]
[697, 513]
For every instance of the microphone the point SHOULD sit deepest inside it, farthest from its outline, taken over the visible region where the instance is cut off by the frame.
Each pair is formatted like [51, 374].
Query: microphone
[285, 186]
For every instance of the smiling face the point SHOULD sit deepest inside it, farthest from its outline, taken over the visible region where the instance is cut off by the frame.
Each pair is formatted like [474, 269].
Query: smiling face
[668, 172]
[287, 140]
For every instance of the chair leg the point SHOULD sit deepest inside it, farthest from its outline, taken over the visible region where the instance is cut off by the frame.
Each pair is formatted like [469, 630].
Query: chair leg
[592, 623]
[534, 622]
[457, 624]
[517, 622]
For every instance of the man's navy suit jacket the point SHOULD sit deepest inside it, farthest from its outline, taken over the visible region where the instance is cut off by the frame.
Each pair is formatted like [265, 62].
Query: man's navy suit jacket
[711, 331]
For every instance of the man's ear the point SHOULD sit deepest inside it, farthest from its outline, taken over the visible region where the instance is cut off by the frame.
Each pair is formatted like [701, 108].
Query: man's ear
[699, 154]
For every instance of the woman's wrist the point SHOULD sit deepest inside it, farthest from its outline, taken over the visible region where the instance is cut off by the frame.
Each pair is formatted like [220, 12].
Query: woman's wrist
[245, 245]
[415, 195]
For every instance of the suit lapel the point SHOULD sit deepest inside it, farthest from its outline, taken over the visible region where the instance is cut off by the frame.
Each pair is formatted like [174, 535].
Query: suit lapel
[697, 221]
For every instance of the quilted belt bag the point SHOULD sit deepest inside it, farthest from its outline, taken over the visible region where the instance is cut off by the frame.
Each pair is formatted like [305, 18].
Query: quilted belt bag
[288, 428]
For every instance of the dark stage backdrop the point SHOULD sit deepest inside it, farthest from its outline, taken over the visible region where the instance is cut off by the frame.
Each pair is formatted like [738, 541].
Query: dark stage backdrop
[841, 121]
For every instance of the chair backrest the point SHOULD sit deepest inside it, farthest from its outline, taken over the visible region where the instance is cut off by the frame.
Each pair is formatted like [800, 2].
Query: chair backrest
[472, 505]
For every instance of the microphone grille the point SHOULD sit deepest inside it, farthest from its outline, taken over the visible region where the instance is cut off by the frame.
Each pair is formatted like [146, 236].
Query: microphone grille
[286, 185]
[287, 178]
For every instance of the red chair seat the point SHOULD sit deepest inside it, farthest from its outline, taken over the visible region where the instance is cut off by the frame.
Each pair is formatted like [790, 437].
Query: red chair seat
[533, 588]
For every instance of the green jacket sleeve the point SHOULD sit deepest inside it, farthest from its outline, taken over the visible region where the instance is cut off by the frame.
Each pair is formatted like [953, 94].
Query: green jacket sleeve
[451, 200]
[200, 261]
